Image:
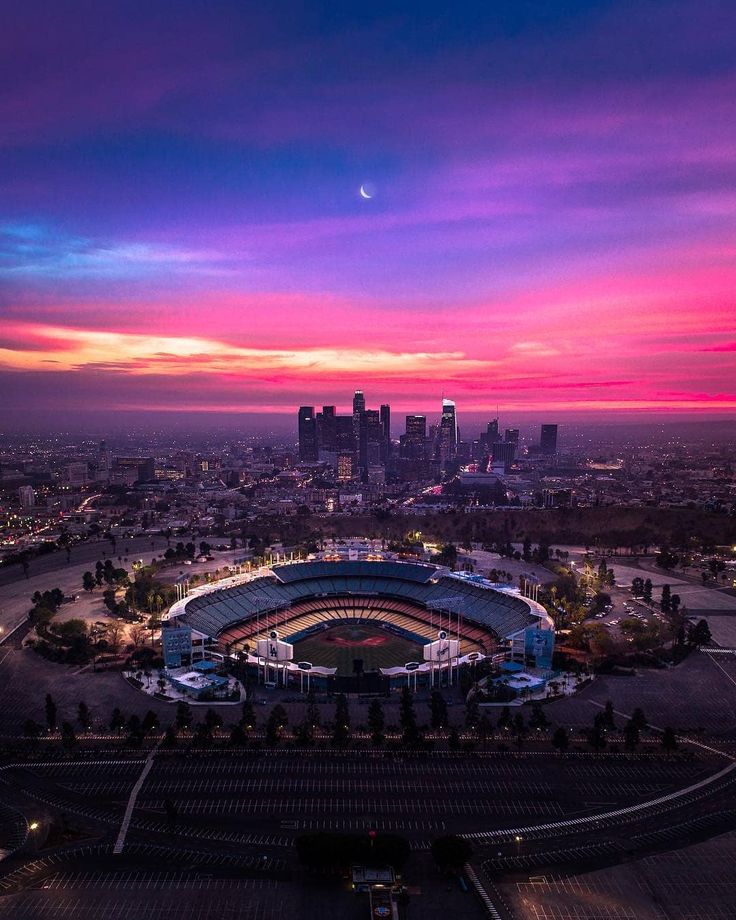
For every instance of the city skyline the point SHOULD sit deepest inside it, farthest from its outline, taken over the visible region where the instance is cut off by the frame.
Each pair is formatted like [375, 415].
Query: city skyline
[549, 229]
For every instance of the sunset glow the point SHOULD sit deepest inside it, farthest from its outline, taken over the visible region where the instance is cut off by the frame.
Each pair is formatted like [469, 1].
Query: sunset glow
[552, 224]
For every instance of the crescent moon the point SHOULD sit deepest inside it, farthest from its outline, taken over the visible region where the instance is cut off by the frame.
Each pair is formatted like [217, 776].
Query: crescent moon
[364, 194]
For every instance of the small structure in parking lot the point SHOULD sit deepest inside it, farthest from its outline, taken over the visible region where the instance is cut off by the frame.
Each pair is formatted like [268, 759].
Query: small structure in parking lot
[380, 886]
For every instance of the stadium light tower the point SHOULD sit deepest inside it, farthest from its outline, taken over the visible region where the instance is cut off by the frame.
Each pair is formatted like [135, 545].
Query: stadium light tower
[452, 605]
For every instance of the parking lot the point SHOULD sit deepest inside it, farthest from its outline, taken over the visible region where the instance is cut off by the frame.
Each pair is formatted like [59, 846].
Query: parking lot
[695, 883]
[266, 798]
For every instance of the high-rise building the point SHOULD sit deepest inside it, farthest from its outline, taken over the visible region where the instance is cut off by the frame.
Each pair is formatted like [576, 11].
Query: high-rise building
[103, 458]
[447, 434]
[345, 465]
[548, 440]
[130, 470]
[307, 434]
[326, 430]
[415, 440]
[492, 431]
[386, 430]
[77, 474]
[27, 497]
[511, 435]
[504, 452]
[358, 408]
[370, 439]
[345, 437]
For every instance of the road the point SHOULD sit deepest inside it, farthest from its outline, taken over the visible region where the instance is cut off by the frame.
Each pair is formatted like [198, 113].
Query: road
[84, 554]
[53, 571]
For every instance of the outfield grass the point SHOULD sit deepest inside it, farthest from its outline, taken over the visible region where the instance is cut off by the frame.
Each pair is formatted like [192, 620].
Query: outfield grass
[339, 646]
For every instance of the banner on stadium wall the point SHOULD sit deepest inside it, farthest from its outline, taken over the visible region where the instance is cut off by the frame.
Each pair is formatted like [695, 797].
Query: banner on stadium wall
[442, 649]
[274, 649]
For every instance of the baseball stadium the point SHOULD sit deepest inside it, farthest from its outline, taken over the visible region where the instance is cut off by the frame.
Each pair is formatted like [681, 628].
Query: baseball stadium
[339, 618]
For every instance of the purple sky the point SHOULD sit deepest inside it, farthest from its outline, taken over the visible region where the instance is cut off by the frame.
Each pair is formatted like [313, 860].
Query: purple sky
[552, 226]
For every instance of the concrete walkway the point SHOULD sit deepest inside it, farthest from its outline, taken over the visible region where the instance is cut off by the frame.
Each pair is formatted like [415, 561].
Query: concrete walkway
[120, 842]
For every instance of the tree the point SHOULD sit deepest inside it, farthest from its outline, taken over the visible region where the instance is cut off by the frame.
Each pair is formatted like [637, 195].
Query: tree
[438, 710]
[212, 720]
[665, 602]
[376, 718]
[526, 550]
[699, 634]
[519, 729]
[631, 735]
[170, 739]
[341, 729]
[538, 719]
[410, 735]
[201, 736]
[609, 721]
[50, 713]
[485, 729]
[84, 716]
[68, 738]
[450, 853]
[238, 735]
[560, 739]
[150, 722]
[637, 587]
[597, 737]
[183, 719]
[505, 721]
[639, 719]
[88, 581]
[675, 602]
[669, 739]
[117, 721]
[312, 715]
[32, 730]
[666, 560]
[248, 716]
[472, 712]
[647, 591]
[274, 727]
[137, 635]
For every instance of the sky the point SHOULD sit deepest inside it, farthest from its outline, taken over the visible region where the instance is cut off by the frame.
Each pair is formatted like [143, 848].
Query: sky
[551, 227]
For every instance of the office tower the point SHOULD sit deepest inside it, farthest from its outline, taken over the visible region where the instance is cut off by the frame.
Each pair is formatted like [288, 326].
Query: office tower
[77, 474]
[447, 434]
[345, 439]
[492, 431]
[103, 458]
[129, 470]
[504, 452]
[386, 430]
[548, 440]
[358, 408]
[370, 438]
[415, 439]
[307, 434]
[346, 464]
[511, 435]
[326, 430]
[27, 497]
